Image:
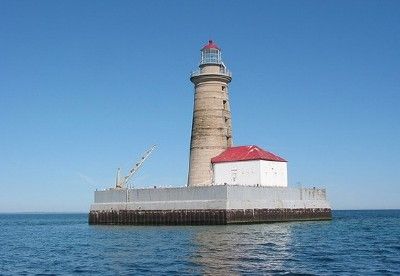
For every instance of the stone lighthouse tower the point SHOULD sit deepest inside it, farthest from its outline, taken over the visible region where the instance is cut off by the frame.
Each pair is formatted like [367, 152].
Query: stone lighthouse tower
[212, 125]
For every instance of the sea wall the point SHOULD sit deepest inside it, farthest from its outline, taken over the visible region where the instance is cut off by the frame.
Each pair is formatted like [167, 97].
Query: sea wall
[250, 197]
[183, 198]
[206, 217]
[210, 198]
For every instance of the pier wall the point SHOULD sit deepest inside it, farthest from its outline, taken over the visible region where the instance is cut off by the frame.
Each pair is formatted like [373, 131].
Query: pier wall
[208, 205]
[211, 197]
[183, 198]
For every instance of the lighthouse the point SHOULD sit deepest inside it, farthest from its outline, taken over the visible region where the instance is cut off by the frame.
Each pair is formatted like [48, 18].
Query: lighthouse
[212, 123]
[226, 184]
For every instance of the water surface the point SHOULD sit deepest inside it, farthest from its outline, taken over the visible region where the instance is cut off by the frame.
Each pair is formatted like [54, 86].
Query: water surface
[354, 242]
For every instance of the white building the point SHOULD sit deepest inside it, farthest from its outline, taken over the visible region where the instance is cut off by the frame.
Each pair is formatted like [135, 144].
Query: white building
[249, 166]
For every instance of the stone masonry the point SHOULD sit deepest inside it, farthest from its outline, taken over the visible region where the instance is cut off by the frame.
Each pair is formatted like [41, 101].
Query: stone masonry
[212, 124]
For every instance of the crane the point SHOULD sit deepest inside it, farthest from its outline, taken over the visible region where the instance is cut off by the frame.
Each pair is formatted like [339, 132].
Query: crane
[122, 183]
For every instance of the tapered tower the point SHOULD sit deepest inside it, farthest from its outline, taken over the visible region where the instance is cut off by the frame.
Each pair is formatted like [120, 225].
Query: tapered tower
[212, 126]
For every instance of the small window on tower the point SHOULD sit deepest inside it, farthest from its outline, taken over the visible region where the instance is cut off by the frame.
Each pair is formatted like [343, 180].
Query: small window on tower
[224, 103]
[223, 88]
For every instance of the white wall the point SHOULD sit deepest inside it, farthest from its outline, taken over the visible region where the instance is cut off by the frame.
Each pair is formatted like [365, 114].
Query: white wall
[251, 173]
[237, 173]
[273, 173]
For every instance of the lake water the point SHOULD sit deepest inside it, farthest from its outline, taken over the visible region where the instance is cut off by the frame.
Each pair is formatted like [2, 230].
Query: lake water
[354, 242]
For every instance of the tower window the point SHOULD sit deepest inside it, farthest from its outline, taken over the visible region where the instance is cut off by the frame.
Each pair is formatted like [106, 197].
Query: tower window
[223, 88]
[224, 103]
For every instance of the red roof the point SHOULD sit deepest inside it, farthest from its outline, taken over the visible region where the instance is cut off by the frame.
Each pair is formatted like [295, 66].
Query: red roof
[245, 153]
[211, 45]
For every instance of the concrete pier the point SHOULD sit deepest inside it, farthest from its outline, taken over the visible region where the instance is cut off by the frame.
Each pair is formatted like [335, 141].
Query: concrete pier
[208, 205]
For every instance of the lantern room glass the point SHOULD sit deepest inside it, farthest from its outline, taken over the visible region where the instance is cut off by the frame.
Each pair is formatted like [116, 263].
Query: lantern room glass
[210, 56]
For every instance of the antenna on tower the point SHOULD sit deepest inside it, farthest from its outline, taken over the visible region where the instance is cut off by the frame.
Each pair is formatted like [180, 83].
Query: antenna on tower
[122, 183]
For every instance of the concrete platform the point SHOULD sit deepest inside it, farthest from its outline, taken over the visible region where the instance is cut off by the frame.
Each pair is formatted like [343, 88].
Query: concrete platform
[208, 205]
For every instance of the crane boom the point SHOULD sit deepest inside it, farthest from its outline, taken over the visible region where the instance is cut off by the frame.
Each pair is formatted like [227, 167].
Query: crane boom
[121, 183]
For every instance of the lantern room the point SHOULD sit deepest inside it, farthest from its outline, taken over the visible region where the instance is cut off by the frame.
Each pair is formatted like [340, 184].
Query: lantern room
[211, 54]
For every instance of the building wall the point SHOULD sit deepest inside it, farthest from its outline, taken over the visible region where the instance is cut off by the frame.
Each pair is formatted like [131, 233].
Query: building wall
[245, 173]
[251, 173]
[273, 173]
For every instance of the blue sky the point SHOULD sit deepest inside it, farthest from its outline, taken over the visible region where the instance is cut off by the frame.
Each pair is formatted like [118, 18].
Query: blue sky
[87, 86]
